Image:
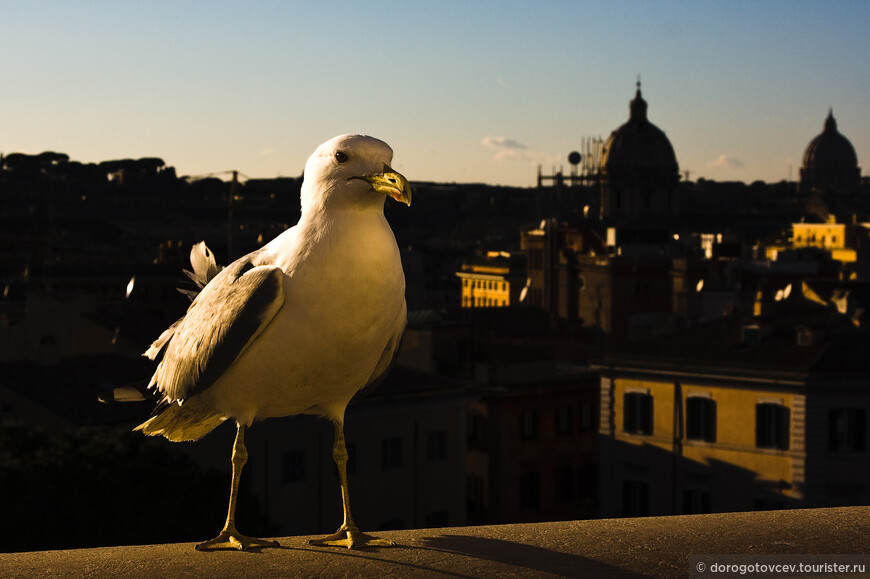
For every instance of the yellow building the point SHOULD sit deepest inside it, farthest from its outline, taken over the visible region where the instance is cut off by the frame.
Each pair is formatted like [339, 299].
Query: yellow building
[738, 414]
[842, 241]
[494, 280]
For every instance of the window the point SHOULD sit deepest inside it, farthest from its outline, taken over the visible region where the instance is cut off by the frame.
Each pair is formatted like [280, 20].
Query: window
[847, 430]
[530, 490]
[436, 446]
[772, 424]
[391, 452]
[751, 334]
[804, 336]
[563, 480]
[529, 425]
[587, 417]
[292, 466]
[637, 413]
[564, 421]
[696, 501]
[476, 428]
[701, 419]
[635, 498]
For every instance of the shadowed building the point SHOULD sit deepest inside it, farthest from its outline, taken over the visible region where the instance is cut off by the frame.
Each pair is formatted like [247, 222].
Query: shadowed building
[614, 272]
[615, 284]
[532, 443]
[745, 412]
[407, 459]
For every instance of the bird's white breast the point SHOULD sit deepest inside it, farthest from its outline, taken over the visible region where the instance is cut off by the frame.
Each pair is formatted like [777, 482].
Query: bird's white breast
[344, 302]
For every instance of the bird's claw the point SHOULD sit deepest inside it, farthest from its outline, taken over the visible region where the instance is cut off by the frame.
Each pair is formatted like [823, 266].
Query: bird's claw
[232, 539]
[352, 538]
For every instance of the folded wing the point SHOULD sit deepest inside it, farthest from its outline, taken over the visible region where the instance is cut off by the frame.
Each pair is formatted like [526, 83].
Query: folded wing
[227, 315]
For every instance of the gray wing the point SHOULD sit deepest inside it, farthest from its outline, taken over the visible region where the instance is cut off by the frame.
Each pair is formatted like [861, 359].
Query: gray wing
[230, 312]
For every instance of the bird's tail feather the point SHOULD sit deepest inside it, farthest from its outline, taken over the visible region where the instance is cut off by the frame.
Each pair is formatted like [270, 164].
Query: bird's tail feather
[189, 421]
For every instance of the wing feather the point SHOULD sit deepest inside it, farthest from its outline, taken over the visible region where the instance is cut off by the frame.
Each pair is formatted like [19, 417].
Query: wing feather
[203, 263]
[230, 312]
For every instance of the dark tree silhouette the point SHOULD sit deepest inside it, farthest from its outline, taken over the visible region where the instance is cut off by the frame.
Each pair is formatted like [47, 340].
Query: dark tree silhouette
[99, 486]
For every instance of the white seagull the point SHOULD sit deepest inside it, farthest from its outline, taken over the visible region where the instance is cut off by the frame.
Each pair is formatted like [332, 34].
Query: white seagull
[296, 327]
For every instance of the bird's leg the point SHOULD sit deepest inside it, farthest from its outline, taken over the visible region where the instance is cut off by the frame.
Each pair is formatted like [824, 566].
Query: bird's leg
[229, 537]
[348, 534]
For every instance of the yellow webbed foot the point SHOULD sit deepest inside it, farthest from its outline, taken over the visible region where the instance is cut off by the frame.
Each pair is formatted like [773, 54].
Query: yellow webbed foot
[352, 538]
[232, 539]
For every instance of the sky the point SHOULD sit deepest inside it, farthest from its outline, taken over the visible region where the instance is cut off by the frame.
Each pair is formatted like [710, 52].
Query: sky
[463, 91]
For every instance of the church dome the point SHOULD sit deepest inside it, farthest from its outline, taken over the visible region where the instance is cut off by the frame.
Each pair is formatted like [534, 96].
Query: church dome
[638, 172]
[639, 150]
[830, 164]
[830, 150]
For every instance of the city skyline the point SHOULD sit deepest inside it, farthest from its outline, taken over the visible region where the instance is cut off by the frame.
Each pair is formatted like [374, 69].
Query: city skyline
[479, 92]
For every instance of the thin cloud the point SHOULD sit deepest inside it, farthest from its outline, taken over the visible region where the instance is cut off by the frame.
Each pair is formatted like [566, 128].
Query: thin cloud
[724, 161]
[507, 149]
[502, 143]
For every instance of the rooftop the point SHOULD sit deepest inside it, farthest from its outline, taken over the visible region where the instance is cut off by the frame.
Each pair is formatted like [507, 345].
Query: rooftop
[639, 547]
[829, 312]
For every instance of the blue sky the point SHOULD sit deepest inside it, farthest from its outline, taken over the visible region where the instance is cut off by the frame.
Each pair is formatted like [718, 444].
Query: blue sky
[463, 91]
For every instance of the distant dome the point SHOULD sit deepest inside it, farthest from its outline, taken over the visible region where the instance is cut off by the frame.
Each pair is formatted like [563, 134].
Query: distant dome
[830, 149]
[830, 163]
[639, 150]
[638, 171]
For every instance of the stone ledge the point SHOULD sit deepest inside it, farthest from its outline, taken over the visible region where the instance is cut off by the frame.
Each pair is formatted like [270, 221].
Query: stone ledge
[640, 547]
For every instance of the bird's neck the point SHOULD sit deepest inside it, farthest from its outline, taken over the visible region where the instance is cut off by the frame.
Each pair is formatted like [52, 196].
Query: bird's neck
[362, 234]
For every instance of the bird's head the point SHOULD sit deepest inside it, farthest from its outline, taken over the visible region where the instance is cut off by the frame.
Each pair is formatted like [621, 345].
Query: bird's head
[352, 171]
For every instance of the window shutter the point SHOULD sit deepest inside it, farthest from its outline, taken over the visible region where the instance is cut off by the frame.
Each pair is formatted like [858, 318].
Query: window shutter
[783, 427]
[710, 421]
[646, 414]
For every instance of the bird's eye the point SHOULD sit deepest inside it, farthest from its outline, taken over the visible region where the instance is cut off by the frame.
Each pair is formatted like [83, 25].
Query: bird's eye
[341, 156]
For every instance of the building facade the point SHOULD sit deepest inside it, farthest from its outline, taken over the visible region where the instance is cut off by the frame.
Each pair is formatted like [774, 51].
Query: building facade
[533, 453]
[742, 413]
[494, 280]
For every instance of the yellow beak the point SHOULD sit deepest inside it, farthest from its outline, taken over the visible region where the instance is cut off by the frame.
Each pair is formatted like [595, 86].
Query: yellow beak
[390, 183]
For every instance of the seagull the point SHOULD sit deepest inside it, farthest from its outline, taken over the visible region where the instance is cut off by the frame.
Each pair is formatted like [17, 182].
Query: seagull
[299, 326]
